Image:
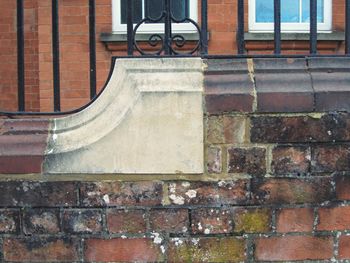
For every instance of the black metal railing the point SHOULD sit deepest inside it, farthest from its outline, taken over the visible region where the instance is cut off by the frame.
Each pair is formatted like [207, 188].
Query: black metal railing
[167, 43]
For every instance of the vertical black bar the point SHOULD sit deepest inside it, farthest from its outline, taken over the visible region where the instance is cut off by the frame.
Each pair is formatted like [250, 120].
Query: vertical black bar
[204, 27]
[130, 26]
[347, 28]
[313, 27]
[56, 56]
[240, 27]
[167, 28]
[277, 26]
[92, 39]
[20, 56]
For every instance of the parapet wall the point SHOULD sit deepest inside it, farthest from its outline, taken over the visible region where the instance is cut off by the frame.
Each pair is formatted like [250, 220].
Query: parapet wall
[274, 187]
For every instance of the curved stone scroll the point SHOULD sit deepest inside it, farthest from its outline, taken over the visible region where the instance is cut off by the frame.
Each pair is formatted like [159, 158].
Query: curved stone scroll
[148, 120]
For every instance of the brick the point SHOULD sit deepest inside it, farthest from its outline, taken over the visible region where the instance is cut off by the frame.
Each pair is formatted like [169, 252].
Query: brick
[234, 192]
[234, 129]
[252, 220]
[215, 130]
[291, 160]
[227, 249]
[290, 248]
[122, 250]
[228, 93]
[211, 221]
[331, 158]
[336, 218]
[292, 191]
[295, 220]
[214, 160]
[126, 221]
[82, 221]
[199, 193]
[344, 247]
[9, 221]
[41, 250]
[169, 220]
[41, 221]
[342, 187]
[118, 193]
[247, 160]
[29, 193]
[299, 129]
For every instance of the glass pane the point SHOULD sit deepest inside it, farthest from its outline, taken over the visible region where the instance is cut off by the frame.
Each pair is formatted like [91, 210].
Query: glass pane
[180, 9]
[154, 8]
[137, 14]
[306, 11]
[290, 11]
[264, 11]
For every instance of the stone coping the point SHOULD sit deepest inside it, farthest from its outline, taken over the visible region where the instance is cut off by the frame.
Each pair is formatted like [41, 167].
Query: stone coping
[272, 85]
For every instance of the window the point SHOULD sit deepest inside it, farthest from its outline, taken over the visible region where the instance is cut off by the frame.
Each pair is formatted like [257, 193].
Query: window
[153, 9]
[295, 15]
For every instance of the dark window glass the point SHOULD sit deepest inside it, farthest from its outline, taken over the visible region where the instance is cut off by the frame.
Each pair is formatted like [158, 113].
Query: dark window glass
[154, 8]
[137, 14]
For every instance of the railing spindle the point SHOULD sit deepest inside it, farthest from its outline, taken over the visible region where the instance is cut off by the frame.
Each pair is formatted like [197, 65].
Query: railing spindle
[92, 44]
[277, 26]
[313, 27]
[167, 27]
[347, 27]
[56, 56]
[240, 27]
[20, 56]
[130, 26]
[204, 27]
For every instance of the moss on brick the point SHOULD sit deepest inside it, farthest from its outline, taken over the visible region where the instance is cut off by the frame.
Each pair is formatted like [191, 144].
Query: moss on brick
[207, 250]
[252, 220]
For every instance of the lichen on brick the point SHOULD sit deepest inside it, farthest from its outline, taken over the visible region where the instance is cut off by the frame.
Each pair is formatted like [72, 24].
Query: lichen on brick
[252, 220]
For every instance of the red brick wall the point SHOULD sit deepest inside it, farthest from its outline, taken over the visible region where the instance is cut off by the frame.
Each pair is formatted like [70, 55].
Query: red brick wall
[75, 49]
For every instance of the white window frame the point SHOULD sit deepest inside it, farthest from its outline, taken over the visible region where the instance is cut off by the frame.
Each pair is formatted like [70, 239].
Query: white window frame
[119, 28]
[326, 26]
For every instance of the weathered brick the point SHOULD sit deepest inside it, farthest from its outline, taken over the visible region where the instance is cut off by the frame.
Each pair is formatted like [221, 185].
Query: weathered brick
[295, 220]
[342, 187]
[344, 247]
[122, 250]
[214, 160]
[169, 220]
[41, 250]
[290, 248]
[335, 218]
[126, 221]
[234, 192]
[9, 221]
[82, 221]
[292, 190]
[252, 220]
[227, 249]
[28, 193]
[331, 158]
[196, 193]
[234, 129]
[291, 160]
[215, 130]
[247, 160]
[118, 193]
[211, 221]
[285, 129]
[41, 221]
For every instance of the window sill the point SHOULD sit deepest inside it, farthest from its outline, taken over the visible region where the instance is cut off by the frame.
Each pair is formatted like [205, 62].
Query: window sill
[257, 36]
[110, 37]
